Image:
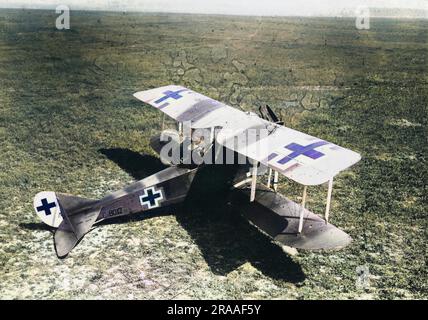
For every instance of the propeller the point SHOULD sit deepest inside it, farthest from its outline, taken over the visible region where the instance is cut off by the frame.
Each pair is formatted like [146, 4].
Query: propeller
[267, 113]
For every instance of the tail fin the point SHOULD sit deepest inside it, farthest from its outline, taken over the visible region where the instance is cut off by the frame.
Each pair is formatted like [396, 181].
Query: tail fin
[72, 216]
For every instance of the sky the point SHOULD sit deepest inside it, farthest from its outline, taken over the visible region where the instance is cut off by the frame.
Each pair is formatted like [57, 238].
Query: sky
[243, 7]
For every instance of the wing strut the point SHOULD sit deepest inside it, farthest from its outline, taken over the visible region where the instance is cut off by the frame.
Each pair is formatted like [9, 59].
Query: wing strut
[327, 207]
[275, 181]
[254, 181]
[180, 128]
[269, 177]
[303, 207]
[212, 134]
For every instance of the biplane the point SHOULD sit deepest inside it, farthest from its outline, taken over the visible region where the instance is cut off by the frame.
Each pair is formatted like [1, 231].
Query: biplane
[261, 150]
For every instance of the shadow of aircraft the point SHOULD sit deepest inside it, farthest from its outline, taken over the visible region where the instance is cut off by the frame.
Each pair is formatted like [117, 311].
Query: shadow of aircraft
[36, 226]
[137, 165]
[225, 238]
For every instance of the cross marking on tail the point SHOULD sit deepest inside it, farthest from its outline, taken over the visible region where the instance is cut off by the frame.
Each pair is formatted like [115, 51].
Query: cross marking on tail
[46, 206]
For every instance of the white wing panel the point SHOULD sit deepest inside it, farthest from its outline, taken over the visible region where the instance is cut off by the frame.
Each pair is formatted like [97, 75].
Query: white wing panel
[301, 157]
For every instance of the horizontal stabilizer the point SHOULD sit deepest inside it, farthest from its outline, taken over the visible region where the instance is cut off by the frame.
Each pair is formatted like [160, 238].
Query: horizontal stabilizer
[64, 241]
[73, 228]
[71, 203]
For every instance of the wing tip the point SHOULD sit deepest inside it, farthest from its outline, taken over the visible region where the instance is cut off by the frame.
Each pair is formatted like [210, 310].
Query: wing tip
[138, 95]
[149, 94]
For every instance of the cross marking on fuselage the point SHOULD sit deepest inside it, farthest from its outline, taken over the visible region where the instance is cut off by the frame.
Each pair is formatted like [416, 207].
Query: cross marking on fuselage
[151, 197]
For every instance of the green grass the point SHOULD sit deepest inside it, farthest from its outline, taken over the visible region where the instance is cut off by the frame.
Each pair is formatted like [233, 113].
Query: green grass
[67, 95]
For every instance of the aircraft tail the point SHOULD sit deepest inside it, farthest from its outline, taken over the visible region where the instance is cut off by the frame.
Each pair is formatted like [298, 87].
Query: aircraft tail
[72, 216]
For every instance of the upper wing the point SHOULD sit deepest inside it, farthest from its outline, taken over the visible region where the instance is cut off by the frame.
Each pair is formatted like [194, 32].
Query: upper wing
[301, 157]
[185, 105]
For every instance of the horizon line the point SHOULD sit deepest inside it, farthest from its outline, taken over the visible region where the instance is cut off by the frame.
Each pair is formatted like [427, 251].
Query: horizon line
[48, 8]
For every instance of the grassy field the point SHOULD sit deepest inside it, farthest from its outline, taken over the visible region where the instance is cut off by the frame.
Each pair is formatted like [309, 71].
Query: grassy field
[69, 123]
